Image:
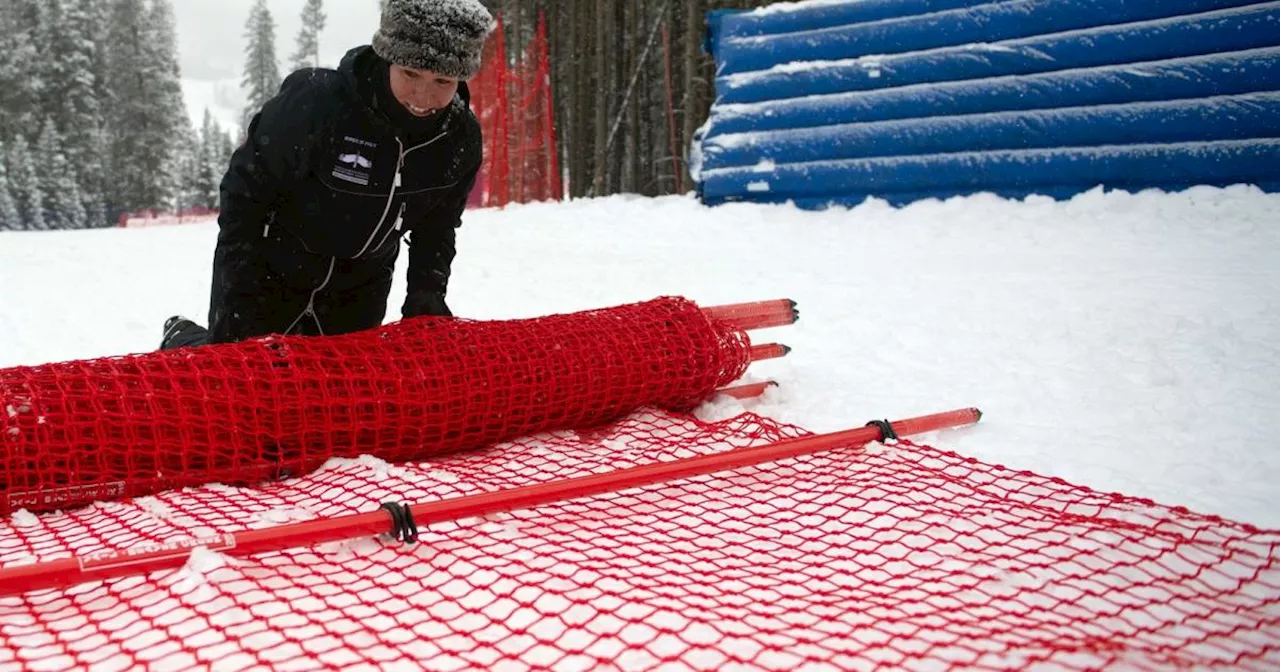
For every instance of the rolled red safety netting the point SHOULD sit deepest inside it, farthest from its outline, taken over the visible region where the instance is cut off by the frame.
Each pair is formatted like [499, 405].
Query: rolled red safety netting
[77, 432]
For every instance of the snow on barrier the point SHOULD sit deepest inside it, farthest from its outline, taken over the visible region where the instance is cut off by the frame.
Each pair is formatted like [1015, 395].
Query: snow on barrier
[887, 555]
[829, 103]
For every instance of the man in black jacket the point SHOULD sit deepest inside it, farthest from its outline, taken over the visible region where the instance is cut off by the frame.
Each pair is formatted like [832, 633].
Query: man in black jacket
[335, 169]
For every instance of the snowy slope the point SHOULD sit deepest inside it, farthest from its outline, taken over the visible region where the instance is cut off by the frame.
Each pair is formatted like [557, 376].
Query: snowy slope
[1124, 342]
[222, 98]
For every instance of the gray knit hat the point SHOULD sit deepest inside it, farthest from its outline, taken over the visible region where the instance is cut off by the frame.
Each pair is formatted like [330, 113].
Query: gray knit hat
[443, 36]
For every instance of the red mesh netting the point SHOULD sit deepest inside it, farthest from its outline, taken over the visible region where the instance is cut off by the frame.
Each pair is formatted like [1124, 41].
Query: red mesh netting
[900, 556]
[75, 432]
[513, 101]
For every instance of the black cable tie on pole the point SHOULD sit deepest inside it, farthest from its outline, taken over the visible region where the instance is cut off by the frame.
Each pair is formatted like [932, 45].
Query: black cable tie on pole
[886, 430]
[402, 525]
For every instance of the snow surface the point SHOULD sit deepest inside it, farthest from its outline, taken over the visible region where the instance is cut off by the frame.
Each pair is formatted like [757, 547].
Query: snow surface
[786, 7]
[1124, 342]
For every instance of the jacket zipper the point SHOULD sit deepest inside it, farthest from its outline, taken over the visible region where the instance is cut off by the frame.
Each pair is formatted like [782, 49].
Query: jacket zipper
[310, 309]
[399, 223]
[391, 197]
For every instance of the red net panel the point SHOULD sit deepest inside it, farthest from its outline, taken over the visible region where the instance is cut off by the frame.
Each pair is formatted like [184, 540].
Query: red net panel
[489, 102]
[77, 432]
[889, 556]
[513, 101]
[535, 174]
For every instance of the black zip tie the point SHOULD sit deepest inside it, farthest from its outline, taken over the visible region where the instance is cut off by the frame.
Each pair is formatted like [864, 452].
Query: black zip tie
[886, 430]
[402, 525]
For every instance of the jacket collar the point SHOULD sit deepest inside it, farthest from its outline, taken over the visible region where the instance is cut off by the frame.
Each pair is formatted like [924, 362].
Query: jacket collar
[366, 77]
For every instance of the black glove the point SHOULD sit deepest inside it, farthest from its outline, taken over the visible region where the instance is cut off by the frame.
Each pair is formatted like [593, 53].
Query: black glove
[418, 304]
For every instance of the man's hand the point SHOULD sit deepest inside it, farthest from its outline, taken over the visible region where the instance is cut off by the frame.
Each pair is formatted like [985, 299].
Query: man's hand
[418, 304]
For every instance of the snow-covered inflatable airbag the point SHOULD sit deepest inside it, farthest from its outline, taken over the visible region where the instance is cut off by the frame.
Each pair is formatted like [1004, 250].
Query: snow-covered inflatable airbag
[826, 102]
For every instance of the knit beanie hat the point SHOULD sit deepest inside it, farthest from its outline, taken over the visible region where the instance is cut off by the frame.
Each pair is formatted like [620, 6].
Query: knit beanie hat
[443, 36]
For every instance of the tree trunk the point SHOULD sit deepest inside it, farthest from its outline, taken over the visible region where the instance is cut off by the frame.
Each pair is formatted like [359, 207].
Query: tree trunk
[621, 76]
[692, 59]
[560, 32]
[632, 155]
[583, 95]
[602, 72]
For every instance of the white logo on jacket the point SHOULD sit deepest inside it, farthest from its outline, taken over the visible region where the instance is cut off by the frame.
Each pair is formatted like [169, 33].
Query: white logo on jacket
[354, 167]
[355, 160]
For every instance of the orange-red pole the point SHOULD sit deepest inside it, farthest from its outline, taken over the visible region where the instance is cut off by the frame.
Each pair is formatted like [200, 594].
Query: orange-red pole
[747, 390]
[759, 353]
[145, 559]
[756, 315]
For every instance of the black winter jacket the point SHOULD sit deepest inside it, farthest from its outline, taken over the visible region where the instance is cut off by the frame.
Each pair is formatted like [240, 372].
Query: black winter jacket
[315, 201]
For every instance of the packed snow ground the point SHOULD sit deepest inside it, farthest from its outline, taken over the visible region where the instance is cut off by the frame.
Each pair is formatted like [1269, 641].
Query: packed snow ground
[1129, 343]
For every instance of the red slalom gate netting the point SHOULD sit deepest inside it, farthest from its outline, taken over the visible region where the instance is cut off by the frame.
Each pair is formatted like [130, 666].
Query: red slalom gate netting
[514, 105]
[893, 556]
[76, 432]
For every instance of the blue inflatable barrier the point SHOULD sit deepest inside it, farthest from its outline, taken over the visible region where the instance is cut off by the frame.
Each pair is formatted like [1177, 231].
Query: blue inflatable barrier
[1255, 115]
[1123, 166]
[1215, 75]
[1230, 30]
[982, 23]
[1012, 97]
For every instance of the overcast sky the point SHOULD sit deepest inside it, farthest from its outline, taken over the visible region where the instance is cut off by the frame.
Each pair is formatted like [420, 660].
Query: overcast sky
[211, 46]
[211, 33]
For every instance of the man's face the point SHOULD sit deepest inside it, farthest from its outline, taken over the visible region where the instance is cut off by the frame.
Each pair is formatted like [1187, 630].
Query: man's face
[422, 92]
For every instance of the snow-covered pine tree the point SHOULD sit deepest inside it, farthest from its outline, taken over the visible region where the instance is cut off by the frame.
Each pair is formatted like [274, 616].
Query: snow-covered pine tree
[20, 94]
[57, 181]
[146, 116]
[211, 163]
[261, 71]
[130, 119]
[79, 114]
[9, 220]
[25, 185]
[166, 77]
[228, 148]
[313, 21]
[188, 170]
[99, 12]
[47, 69]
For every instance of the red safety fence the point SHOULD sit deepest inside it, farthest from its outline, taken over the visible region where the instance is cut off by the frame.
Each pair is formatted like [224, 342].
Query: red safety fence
[512, 98]
[890, 555]
[76, 432]
[740, 544]
[147, 218]
[401, 520]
